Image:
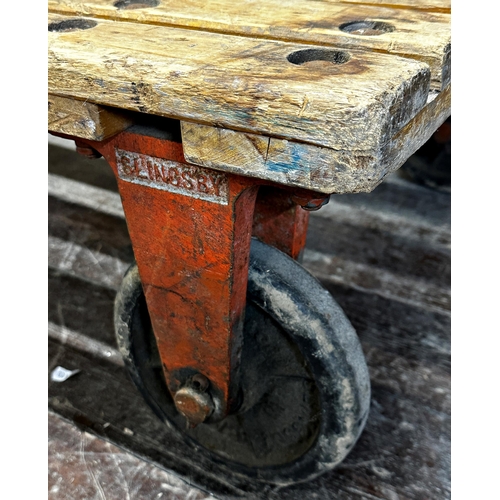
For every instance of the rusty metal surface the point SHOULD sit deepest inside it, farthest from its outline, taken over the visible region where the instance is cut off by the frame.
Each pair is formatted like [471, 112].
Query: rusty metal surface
[280, 222]
[193, 401]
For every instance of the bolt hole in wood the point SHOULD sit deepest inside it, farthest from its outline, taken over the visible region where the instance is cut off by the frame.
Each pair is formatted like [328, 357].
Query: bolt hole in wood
[367, 28]
[72, 25]
[310, 55]
[136, 4]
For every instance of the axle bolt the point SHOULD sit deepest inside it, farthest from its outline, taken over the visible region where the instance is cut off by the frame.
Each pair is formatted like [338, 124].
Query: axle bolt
[311, 204]
[193, 401]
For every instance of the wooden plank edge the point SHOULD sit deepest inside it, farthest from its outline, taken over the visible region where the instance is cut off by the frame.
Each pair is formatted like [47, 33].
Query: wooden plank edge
[421, 6]
[417, 132]
[309, 166]
[83, 119]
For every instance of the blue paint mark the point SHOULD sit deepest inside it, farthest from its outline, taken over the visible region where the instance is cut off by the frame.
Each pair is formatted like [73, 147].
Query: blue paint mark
[278, 167]
[294, 164]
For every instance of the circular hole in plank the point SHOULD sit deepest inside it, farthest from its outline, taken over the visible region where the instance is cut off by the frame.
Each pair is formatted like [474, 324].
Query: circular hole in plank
[72, 25]
[136, 4]
[367, 28]
[309, 55]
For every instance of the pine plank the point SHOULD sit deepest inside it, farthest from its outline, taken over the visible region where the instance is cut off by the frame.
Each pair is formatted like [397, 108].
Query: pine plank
[423, 35]
[312, 167]
[427, 5]
[238, 83]
[84, 119]
[305, 165]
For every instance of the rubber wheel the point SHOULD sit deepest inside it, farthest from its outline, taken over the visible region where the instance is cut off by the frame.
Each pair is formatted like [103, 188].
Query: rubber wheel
[305, 383]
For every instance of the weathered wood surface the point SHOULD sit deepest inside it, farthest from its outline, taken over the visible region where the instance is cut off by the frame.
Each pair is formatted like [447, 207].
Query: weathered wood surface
[238, 83]
[428, 5]
[298, 164]
[279, 160]
[423, 35]
[304, 165]
[386, 259]
[84, 119]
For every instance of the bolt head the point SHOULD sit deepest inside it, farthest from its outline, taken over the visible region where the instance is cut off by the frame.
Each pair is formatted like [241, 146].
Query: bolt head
[196, 406]
[311, 204]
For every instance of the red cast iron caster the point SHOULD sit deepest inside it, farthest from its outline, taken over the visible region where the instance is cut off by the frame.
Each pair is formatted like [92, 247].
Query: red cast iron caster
[305, 387]
[233, 344]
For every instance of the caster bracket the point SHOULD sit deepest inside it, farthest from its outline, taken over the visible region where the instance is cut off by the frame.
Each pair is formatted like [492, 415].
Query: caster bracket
[191, 230]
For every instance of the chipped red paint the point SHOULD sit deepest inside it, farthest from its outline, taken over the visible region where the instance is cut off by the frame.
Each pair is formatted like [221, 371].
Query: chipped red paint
[192, 256]
[280, 222]
[191, 230]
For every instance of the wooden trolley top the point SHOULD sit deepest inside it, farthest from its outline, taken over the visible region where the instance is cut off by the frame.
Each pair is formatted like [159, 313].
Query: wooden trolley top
[322, 94]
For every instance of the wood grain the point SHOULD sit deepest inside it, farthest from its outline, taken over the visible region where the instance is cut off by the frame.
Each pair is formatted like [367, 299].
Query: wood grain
[299, 164]
[427, 5]
[84, 119]
[238, 83]
[417, 132]
[312, 167]
[425, 36]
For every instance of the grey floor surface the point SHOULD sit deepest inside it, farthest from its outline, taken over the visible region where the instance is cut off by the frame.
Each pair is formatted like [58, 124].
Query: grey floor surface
[384, 256]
